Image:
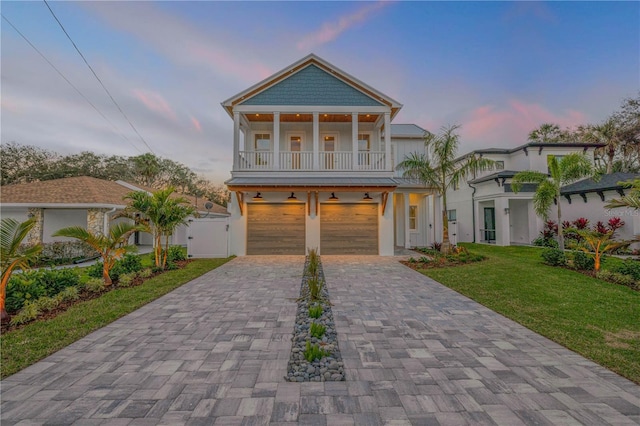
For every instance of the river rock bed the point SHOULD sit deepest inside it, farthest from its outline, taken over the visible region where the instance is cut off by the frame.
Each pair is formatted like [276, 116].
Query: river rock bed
[328, 368]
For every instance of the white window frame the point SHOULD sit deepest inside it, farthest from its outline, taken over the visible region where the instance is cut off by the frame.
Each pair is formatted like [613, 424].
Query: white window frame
[370, 135]
[455, 215]
[254, 135]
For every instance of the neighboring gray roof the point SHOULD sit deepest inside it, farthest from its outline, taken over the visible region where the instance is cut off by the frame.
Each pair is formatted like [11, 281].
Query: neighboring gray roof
[407, 130]
[529, 145]
[503, 174]
[312, 86]
[310, 181]
[605, 183]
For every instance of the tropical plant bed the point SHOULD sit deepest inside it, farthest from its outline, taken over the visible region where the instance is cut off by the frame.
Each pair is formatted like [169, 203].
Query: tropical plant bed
[26, 345]
[436, 259]
[315, 355]
[85, 294]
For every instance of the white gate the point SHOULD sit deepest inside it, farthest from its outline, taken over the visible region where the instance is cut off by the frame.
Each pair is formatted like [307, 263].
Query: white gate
[208, 237]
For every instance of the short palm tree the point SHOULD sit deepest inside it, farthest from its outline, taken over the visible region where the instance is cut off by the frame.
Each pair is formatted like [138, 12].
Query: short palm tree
[110, 247]
[632, 200]
[12, 234]
[599, 244]
[440, 171]
[163, 213]
[561, 172]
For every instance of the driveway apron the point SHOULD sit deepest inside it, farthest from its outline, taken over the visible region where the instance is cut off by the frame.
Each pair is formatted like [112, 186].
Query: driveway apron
[215, 351]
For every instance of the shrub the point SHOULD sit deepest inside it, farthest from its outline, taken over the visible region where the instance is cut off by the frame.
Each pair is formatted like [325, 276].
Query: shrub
[314, 352]
[23, 288]
[412, 260]
[313, 264]
[628, 267]
[541, 241]
[554, 257]
[126, 280]
[68, 294]
[315, 287]
[94, 285]
[424, 259]
[46, 304]
[436, 246]
[581, 223]
[145, 273]
[170, 266]
[617, 278]
[28, 313]
[60, 252]
[317, 330]
[583, 262]
[315, 311]
[129, 263]
[176, 253]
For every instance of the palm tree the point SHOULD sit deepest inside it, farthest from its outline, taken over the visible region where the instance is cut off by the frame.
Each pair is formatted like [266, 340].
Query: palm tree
[162, 215]
[440, 171]
[548, 133]
[110, 247]
[561, 172]
[12, 233]
[147, 168]
[599, 244]
[632, 200]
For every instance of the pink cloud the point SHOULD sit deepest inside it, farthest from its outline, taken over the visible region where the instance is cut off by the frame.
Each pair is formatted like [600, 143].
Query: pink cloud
[155, 102]
[511, 125]
[196, 124]
[331, 30]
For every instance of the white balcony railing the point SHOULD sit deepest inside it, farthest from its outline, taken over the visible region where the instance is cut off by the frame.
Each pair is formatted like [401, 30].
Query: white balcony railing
[304, 160]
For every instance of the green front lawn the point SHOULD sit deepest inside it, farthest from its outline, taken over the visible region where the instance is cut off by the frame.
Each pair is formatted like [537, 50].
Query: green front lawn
[35, 341]
[599, 320]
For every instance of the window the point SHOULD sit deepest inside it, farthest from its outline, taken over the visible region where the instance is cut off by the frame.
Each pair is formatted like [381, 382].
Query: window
[413, 217]
[364, 146]
[262, 142]
[451, 215]
[499, 165]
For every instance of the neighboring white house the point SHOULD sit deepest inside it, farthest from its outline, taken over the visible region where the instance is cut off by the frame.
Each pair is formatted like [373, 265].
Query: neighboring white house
[485, 209]
[80, 201]
[314, 165]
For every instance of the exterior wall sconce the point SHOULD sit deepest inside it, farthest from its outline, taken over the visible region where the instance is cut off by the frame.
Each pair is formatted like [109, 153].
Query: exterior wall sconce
[257, 197]
[333, 197]
[366, 196]
[506, 210]
[292, 197]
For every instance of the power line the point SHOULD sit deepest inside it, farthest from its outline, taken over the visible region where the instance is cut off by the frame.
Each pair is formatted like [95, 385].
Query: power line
[70, 83]
[97, 78]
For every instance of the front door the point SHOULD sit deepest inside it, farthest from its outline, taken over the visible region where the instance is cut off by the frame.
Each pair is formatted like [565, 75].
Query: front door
[295, 146]
[489, 224]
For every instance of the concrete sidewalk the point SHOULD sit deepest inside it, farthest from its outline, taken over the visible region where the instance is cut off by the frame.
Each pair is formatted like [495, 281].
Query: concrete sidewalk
[215, 352]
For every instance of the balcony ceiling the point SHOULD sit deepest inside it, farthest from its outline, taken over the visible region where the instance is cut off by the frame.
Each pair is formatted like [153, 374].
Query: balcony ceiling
[324, 118]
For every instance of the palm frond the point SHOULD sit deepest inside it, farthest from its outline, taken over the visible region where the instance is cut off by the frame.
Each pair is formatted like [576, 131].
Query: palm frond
[543, 198]
[527, 176]
[573, 167]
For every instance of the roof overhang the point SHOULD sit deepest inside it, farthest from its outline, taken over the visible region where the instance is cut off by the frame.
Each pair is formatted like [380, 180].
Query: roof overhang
[311, 184]
[63, 205]
[310, 59]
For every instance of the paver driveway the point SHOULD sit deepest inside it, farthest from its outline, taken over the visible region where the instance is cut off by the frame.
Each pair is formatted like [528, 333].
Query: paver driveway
[215, 352]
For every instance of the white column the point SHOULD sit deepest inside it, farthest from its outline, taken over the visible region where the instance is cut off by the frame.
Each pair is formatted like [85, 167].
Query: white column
[387, 140]
[503, 228]
[236, 139]
[276, 140]
[316, 141]
[354, 138]
[407, 229]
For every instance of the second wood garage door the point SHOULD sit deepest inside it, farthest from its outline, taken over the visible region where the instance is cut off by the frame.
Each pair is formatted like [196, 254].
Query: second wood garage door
[276, 228]
[349, 229]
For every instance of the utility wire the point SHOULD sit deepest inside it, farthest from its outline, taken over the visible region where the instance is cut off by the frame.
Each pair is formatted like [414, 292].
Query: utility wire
[70, 83]
[97, 78]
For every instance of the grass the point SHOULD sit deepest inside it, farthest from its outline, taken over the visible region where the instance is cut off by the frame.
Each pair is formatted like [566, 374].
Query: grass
[25, 346]
[596, 319]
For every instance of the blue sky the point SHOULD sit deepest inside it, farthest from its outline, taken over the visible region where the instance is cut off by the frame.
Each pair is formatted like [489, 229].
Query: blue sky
[499, 69]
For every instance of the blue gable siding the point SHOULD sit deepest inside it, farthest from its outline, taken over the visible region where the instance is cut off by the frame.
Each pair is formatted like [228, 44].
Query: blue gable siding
[312, 86]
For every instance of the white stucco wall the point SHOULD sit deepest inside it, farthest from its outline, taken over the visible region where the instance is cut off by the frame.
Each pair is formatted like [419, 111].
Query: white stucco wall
[19, 214]
[55, 219]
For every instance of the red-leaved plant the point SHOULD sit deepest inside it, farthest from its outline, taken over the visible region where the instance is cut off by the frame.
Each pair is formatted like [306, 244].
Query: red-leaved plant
[581, 223]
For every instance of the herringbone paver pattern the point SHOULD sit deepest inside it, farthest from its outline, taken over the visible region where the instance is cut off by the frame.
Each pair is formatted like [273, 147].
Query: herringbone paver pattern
[215, 352]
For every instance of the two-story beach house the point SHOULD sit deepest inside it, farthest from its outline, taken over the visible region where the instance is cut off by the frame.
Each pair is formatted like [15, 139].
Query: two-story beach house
[314, 165]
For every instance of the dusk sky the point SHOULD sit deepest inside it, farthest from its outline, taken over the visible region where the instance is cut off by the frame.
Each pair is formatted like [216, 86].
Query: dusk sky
[500, 69]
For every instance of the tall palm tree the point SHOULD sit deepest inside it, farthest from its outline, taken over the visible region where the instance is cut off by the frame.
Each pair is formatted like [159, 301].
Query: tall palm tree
[631, 200]
[110, 247]
[12, 234]
[561, 172]
[607, 133]
[548, 133]
[440, 171]
[163, 213]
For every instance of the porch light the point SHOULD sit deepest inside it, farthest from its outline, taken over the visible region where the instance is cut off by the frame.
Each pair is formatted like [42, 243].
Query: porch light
[366, 196]
[333, 197]
[292, 197]
[258, 196]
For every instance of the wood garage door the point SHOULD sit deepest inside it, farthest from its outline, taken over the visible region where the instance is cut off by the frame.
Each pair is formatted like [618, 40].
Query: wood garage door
[349, 229]
[276, 228]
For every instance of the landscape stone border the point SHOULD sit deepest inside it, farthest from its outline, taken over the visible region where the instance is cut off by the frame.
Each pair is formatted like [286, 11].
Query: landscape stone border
[329, 368]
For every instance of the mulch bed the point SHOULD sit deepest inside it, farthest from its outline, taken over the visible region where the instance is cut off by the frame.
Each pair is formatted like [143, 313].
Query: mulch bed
[84, 296]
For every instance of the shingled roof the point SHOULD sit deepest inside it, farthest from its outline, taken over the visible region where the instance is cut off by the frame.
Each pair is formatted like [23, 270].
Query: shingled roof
[82, 191]
[605, 183]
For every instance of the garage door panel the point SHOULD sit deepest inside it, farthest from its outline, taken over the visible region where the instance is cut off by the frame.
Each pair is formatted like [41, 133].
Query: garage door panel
[275, 229]
[349, 229]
